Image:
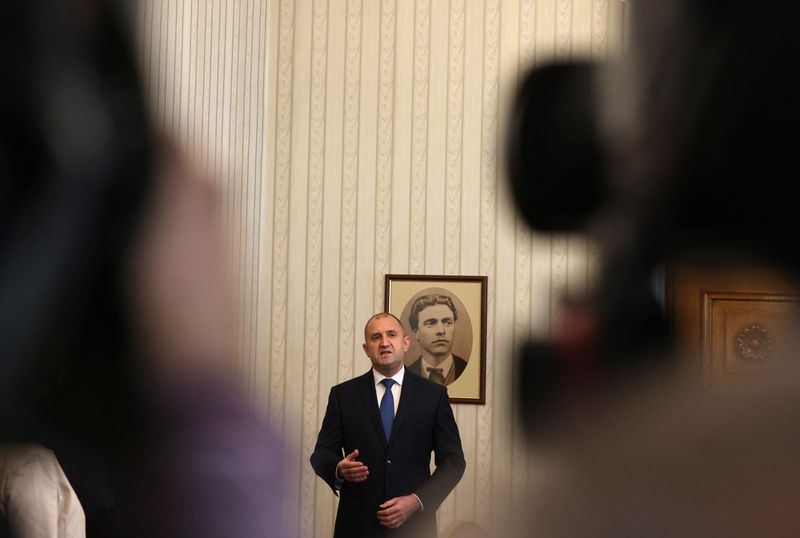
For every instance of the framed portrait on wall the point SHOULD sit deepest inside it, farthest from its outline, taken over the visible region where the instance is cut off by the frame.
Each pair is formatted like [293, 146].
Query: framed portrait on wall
[445, 316]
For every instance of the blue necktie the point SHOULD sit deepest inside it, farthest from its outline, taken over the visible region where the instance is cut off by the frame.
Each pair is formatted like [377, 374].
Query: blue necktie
[387, 407]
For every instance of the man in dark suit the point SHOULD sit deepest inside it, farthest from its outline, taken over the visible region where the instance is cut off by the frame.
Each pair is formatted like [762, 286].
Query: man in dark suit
[433, 320]
[387, 422]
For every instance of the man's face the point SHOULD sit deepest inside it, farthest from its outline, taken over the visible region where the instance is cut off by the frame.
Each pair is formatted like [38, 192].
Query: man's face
[435, 330]
[385, 345]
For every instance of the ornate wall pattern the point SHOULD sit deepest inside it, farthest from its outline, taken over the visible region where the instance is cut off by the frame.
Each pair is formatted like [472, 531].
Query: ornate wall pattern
[352, 138]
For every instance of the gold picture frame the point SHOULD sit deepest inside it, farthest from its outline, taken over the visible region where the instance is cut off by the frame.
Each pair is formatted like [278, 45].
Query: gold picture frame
[466, 382]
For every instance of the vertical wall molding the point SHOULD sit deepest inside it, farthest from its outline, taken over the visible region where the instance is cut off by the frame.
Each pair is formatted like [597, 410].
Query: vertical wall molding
[523, 277]
[419, 136]
[316, 170]
[283, 153]
[600, 28]
[487, 502]
[527, 33]
[383, 191]
[349, 140]
[558, 278]
[347, 285]
[563, 34]
[455, 133]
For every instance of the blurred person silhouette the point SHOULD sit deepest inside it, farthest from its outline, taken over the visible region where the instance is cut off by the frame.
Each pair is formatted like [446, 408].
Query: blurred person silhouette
[114, 313]
[682, 149]
[667, 153]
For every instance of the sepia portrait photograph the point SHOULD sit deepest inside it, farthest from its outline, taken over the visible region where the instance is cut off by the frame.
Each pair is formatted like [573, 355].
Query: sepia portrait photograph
[445, 317]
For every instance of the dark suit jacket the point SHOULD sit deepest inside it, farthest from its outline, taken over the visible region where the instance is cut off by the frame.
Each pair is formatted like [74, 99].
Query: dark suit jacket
[458, 363]
[423, 424]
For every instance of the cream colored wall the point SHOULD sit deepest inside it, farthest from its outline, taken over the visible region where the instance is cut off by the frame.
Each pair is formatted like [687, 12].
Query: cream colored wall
[355, 138]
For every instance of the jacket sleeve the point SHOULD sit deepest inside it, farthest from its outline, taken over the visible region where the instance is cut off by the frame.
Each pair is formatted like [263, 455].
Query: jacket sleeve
[448, 456]
[328, 450]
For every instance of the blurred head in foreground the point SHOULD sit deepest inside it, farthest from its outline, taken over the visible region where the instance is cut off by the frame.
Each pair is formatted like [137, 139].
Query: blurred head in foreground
[683, 148]
[76, 167]
[114, 311]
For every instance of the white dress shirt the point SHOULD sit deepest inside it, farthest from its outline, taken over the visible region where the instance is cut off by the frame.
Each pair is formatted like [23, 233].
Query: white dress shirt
[36, 498]
[380, 389]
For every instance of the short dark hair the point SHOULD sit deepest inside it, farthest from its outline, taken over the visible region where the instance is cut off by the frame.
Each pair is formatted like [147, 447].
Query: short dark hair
[429, 300]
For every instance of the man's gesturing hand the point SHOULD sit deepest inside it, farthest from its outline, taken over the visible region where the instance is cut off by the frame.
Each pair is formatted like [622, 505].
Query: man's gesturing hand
[395, 512]
[351, 470]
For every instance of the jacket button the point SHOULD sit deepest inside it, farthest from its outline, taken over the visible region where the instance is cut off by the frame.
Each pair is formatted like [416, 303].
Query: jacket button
[388, 462]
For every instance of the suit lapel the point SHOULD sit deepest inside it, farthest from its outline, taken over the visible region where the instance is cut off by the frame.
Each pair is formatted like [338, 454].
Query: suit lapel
[406, 401]
[367, 390]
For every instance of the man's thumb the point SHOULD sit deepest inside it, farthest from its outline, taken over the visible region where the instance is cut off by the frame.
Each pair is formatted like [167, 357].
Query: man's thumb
[352, 456]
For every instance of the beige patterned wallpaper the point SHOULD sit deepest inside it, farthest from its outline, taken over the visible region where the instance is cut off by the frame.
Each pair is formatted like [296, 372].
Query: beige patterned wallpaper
[355, 138]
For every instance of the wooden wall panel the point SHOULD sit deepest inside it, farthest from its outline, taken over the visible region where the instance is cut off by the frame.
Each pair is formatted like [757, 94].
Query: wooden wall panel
[350, 139]
[721, 313]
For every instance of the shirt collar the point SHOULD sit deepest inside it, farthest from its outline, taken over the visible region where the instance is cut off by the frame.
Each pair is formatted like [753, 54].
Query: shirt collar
[398, 377]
